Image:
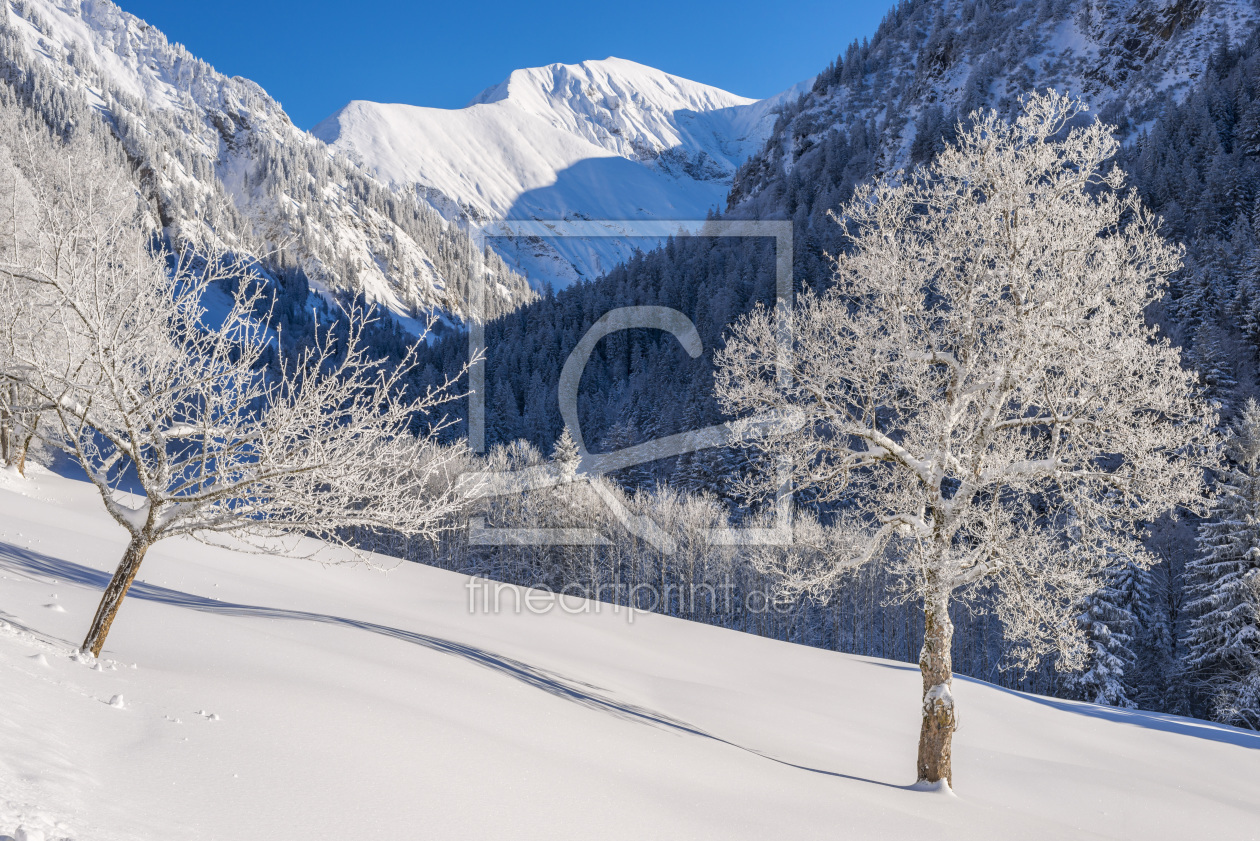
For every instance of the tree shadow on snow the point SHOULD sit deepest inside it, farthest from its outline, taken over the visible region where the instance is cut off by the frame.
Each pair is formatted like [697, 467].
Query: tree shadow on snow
[21, 560]
[1181, 725]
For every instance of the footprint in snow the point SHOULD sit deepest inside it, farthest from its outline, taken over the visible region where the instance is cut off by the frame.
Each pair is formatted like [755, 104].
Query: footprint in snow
[55, 608]
[117, 702]
[40, 660]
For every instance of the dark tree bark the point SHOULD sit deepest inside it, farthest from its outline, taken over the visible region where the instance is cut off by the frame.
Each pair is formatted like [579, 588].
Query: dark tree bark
[25, 447]
[6, 426]
[114, 594]
[936, 665]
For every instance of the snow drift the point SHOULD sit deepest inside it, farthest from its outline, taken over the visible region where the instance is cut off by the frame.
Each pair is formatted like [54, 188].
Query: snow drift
[245, 696]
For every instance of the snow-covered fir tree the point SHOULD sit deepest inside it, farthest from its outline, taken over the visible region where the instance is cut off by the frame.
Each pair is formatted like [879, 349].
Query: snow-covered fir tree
[1108, 624]
[1153, 680]
[565, 455]
[1222, 655]
[1207, 357]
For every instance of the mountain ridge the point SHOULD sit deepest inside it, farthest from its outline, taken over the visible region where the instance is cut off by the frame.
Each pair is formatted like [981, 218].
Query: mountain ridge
[549, 144]
[221, 157]
[932, 62]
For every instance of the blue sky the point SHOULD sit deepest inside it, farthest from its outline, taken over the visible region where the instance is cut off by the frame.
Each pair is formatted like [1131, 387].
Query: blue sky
[316, 55]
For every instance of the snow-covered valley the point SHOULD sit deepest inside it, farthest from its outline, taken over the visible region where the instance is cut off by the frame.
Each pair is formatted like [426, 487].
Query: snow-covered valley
[263, 698]
[964, 528]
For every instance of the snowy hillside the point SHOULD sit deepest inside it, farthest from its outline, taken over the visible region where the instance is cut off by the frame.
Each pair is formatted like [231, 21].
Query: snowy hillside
[934, 61]
[894, 100]
[607, 139]
[218, 152]
[261, 698]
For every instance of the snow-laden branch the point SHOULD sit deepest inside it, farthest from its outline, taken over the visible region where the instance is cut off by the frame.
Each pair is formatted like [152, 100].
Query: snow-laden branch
[979, 386]
[112, 340]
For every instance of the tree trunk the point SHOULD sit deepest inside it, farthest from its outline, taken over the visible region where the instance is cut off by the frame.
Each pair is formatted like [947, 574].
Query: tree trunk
[6, 429]
[25, 447]
[114, 593]
[936, 665]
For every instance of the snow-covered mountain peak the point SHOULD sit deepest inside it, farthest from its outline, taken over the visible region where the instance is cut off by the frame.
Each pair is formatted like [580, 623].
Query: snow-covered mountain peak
[607, 139]
[614, 76]
[628, 108]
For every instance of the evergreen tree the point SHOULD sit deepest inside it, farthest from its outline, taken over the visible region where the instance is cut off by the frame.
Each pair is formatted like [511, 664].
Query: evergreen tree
[1108, 623]
[1223, 641]
[1154, 681]
[635, 476]
[503, 415]
[565, 455]
[1206, 357]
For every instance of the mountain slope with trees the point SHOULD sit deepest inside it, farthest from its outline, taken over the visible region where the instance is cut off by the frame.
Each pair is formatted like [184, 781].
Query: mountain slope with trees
[218, 155]
[1179, 82]
[532, 724]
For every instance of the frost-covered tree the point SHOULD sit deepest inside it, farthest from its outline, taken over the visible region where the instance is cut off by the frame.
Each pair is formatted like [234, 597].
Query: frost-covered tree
[1108, 624]
[565, 455]
[979, 374]
[1223, 635]
[1214, 374]
[149, 391]
[1238, 699]
[25, 147]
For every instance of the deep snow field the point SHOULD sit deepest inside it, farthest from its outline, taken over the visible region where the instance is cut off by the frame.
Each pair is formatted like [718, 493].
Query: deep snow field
[266, 698]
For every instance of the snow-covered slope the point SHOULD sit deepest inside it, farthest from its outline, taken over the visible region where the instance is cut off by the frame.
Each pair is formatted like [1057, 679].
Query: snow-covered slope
[607, 139]
[932, 62]
[273, 699]
[632, 110]
[220, 152]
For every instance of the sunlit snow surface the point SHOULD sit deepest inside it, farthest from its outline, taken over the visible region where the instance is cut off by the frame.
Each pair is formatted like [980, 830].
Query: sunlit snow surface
[260, 698]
